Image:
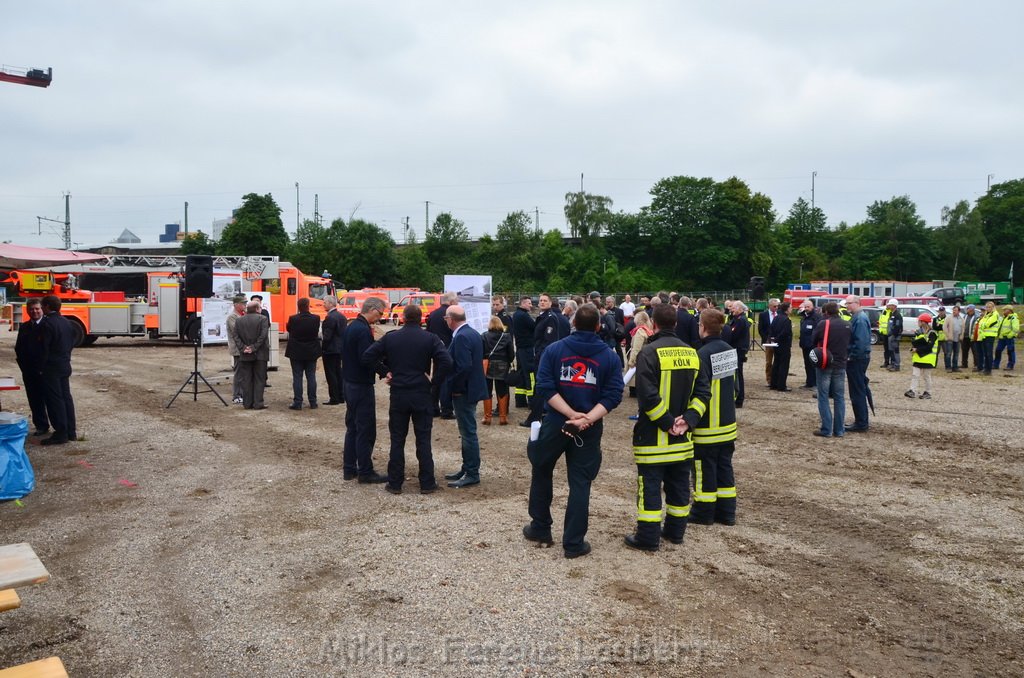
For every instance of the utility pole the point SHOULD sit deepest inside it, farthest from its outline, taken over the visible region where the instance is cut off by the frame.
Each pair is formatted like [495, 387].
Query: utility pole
[186, 217]
[536, 218]
[581, 182]
[426, 220]
[989, 186]
[813, 174]
[405, 232]
[67, 220]
[296, 208]
[316, 210]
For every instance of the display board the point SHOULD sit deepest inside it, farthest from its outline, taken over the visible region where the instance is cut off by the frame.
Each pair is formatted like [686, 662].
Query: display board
[474, 292]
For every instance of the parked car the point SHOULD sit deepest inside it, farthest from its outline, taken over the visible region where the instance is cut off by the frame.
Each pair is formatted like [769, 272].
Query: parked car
[946, 295]
[873, 313]
[427, 302]
[910, 313]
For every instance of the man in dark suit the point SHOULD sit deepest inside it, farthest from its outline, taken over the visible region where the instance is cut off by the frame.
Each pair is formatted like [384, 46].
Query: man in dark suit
[686, 323]
[250, 335]
[781, 331]
[523, 326]
[468, 387]
[764, 324]
[360, 400]
[303, 351]
[405, 358]
[333, 329]
[28, 349]
[58, 340]
[437, 325]
[739, 339]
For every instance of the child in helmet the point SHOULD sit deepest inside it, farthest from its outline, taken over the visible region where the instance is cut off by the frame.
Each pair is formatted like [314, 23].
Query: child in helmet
[924, 357]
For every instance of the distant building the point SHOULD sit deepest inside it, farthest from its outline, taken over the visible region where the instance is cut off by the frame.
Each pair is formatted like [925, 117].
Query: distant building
[170, 233]
[127, 238]
[218, 227]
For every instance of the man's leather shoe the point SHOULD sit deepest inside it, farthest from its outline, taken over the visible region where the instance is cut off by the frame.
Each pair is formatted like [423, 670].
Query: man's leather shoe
[448, 416]
[40, 432]
[54, 440]
[634, 543]
[538, 536]
[334, 402]
[700, 520]
[313, 406]
[729, 522]
[348, 475]
[857, 429]
[293, 406]
[373, 478]
[454, 476]
[465, 481]
[675, 540]
[391, 489]
[822, 435]
[581, 552]
[430, 489]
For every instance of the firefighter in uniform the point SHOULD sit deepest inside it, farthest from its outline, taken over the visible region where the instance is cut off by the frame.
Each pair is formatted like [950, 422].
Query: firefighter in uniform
[714, 439]
[924, 357]
[547, 330]
[523, 326]
[883, 335]
[672, 391]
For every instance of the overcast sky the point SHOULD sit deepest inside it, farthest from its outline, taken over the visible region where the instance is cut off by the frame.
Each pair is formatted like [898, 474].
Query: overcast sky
[484, 108]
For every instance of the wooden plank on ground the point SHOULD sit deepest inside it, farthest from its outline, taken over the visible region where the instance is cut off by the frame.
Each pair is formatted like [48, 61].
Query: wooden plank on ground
[9, 600]
[19, 566]
[51, 667]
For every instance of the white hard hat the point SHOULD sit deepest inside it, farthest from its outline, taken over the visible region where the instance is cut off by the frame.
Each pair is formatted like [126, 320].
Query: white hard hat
[842, 303]
[892, 302]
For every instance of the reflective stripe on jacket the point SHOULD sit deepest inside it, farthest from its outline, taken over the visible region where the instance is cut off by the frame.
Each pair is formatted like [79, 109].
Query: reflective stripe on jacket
[926, 349]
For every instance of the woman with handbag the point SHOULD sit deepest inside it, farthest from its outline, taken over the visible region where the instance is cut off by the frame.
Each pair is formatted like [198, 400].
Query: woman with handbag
[498, 356]
[641, 333]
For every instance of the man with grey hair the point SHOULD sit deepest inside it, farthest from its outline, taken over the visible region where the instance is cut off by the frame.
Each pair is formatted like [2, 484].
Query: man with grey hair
[237, 311]
[249, 333]
[739, 339]
[569, 312]
[686, 323]
[467, 387]
[360, 400]
[332, 330]
[857, 361]
[764, 323]
[437, 325]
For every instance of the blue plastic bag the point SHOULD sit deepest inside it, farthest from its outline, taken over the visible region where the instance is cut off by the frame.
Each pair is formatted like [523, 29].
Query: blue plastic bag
[16, 476]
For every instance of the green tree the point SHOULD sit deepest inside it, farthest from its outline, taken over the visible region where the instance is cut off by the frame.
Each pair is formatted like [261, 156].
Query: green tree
[446, 241]
[961, 248]
[197, 242]
[807, 225]
[256, 230]
[1002, 219]
[415, 269]
[516, 263]
[364, 255]
[314, 249]
[903, 241]
[587, 214]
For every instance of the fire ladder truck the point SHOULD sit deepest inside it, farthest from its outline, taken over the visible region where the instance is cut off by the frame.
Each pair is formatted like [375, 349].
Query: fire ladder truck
[152, 300]
[36, 77]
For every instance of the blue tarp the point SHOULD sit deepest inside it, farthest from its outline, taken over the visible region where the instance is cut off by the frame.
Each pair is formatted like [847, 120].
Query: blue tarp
[16, 476]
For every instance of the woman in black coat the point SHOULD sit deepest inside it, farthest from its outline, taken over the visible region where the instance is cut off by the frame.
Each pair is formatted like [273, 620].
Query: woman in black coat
[781, 332]
[498, 355]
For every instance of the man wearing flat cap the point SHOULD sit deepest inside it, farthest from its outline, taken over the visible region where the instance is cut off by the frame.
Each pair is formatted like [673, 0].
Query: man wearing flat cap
[237, 311]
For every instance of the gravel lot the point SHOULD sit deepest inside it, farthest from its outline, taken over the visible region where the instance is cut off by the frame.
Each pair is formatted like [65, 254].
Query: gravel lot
[206, 540]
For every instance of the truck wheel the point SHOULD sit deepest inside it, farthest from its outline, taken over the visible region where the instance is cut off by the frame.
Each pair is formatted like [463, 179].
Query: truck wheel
[78, 332]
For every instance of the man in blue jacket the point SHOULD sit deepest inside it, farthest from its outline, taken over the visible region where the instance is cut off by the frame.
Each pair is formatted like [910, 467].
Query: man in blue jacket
[858, 358]
[467, 386]
[580, 380]
[357, 380]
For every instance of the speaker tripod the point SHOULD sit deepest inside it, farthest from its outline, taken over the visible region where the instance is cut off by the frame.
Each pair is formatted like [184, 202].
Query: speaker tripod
[194, 378]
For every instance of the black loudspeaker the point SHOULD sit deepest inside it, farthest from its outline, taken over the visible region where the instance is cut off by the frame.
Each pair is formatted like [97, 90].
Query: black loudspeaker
[199, 276]
[756, 287]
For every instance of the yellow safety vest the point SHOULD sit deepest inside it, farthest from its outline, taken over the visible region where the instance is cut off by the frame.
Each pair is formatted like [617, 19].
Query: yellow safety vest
[883, 321]
[931, 358]
[988, 326]
[1009, 326]
[938, 326]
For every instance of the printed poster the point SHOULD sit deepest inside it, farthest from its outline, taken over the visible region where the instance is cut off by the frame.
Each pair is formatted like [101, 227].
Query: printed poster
[474, 293]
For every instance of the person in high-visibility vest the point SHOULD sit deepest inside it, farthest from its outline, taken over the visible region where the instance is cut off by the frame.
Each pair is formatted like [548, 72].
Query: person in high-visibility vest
[883, 334]
[924, 358]
[988, 329]
[1009, 328]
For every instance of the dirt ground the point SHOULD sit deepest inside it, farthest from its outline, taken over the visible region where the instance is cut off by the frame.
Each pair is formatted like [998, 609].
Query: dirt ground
[208, 540]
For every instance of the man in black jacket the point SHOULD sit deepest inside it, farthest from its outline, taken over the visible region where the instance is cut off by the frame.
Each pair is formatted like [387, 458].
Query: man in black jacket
[333, 330]
[438, 326]
[360, 400]
[739, 339]
[404, 358]
[58, 340]
[28, 349]
[523, 326]
[547, 330]
[764, 325]
[303, 350]
[781, 332]
[686, 323]
[809, 319]
[831, 378]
